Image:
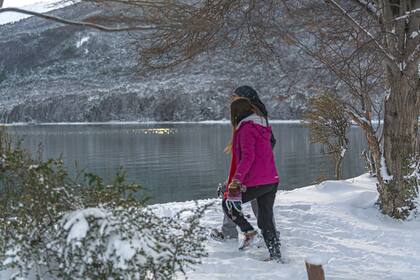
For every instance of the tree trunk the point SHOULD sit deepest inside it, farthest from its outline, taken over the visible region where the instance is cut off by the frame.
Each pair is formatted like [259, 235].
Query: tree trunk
[369, 161]
[338, 163]
[1, 3]
[397, 192]
[372, 142]
[374, 148]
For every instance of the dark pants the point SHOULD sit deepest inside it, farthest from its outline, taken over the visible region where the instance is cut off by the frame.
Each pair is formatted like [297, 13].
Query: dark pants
[229, 228]
[265, 196]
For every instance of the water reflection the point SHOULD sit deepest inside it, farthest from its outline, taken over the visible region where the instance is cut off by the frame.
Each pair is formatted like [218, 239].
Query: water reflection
[179, 162]
[159, 131]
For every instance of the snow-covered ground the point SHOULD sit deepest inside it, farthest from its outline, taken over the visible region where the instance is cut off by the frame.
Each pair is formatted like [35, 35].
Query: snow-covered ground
[335, 221]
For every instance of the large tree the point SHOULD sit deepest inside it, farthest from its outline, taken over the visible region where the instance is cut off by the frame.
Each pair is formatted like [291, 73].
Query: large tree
[374, 46]
[394, 35]
[400, 22]
[371, 48]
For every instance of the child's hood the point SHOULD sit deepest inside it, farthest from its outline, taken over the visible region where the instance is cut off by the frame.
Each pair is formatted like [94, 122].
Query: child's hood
[260, 123]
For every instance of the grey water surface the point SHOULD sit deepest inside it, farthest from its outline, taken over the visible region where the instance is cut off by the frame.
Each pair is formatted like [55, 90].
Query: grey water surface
[180, 161]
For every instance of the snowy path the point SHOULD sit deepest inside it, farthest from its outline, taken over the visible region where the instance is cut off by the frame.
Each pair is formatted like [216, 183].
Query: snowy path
[335, 220]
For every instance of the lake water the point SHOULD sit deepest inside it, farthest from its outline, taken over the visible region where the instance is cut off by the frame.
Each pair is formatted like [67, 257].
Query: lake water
[181, 161]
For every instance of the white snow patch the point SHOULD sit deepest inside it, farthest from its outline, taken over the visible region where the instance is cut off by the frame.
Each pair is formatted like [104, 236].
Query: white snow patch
[33, 166]
[407, 14]
[317, 260]
[384, 172]
[77, 224]
[371, 6]
[343, 152]
[82, 41]
[402, 65]
[387, 94]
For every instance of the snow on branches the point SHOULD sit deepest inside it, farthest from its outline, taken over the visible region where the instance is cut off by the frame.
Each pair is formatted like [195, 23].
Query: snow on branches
[126, 243]
[54, 228]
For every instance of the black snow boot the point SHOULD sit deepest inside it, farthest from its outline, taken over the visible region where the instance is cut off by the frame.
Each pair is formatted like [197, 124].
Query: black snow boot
[273, 245]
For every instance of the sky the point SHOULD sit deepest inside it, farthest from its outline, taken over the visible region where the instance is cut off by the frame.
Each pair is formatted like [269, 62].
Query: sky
[20, 3]
[33, 5]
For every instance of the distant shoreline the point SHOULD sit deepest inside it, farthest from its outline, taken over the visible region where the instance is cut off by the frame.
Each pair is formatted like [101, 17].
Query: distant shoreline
[146, 122]
[137, 122]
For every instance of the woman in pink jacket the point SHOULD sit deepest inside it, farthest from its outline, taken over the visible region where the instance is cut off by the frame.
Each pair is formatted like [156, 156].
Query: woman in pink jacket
[255, 175]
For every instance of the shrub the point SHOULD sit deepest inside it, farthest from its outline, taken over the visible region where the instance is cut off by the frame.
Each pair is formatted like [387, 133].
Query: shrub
[53, 227]
[125, 243]
[328, 125]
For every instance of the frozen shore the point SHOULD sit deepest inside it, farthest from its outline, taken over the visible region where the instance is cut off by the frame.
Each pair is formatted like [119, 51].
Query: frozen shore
[335, 223]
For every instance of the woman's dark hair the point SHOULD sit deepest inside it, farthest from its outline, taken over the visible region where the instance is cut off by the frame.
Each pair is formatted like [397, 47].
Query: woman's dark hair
[239, 110]
[252, 95]
[242, 108]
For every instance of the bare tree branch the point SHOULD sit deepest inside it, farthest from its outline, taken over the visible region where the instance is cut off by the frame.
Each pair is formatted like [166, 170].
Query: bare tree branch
[408, 14]
[86, 24]
[370, 7]
[388, 55]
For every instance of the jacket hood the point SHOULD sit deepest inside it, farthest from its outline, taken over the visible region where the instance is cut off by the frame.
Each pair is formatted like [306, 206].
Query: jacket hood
[255, 119]
[260, 123]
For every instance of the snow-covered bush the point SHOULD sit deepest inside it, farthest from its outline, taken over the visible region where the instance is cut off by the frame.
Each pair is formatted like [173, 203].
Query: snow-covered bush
[52, 227]
[125, 243]
[33, 196]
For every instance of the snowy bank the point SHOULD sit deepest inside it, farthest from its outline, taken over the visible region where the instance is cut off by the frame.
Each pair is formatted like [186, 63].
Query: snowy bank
[335, 222]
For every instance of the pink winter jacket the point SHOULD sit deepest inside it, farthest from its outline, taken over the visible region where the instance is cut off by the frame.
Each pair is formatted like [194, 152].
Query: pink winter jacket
[254, 156]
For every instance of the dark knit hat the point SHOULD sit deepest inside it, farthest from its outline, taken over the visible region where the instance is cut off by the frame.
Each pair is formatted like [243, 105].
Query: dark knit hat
[251, 94]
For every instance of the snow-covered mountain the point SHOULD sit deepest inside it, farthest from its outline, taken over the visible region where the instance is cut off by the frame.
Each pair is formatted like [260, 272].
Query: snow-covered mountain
[55, 73]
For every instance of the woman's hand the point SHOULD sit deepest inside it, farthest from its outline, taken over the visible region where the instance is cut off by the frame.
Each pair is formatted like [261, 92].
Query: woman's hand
[235, 187]
[235, 184]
